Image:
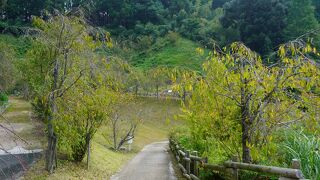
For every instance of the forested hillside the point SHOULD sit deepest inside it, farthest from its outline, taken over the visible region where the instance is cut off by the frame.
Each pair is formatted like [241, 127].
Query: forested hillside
[262, 25]
[242, 76]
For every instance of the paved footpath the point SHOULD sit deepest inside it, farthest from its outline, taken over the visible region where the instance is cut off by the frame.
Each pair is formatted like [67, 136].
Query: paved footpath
[152, 163]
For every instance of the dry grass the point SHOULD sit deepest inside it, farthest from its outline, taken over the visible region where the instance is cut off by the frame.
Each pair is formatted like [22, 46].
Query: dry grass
[105, 162]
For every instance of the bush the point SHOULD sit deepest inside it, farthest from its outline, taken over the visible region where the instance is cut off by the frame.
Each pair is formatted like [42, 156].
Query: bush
[79, 148]
[173, 37]
[3, 97]
[41, 108]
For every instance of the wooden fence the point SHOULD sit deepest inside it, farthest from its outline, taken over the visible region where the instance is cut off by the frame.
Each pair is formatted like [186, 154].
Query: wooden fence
[190, 163]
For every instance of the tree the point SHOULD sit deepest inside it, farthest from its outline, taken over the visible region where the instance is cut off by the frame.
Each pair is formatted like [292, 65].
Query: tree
[122, 128]
[22, 11]
[182, 77]
[158, 77]
[218, 3]
[82, 112]
[301, 19]
[239, 99]
[260, 22]
[61, 54]
[317, 10]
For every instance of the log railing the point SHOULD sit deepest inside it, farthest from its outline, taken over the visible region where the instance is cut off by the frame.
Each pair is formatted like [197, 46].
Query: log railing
[190, 163]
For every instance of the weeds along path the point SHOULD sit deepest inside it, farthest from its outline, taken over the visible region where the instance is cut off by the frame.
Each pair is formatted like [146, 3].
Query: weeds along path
[153, 162]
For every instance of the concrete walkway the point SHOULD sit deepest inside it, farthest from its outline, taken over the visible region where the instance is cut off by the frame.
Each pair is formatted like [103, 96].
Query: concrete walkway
[153, 162]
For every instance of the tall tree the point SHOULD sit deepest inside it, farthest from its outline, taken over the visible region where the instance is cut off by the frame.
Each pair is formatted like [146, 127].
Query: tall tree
[21, 10]
[241, 100]
[260, 22]
[62, 52]
[301, 18]
[218, 3]
[316, 3]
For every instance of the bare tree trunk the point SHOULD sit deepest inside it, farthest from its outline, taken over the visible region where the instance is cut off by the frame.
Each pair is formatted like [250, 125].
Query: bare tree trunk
[137, 88]
[114, 136]
[246, 156]
[157, 91]
[128, 136]
[245, 124]
[51, 162]
[88, 150]
[184, 95]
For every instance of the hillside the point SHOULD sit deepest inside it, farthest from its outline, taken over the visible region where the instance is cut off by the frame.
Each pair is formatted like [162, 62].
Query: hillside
[181, 53]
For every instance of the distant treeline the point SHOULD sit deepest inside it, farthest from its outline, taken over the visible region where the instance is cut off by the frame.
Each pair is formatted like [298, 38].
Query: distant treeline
[261, 24]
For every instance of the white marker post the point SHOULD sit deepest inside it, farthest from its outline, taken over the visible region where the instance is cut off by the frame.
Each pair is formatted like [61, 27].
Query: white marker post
[130, 142]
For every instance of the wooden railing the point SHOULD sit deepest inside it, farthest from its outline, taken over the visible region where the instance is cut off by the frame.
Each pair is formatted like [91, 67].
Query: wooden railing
[190, 163]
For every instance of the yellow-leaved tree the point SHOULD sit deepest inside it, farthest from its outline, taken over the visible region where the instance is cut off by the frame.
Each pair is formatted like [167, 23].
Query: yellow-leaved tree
[62, 55]
[239, 102]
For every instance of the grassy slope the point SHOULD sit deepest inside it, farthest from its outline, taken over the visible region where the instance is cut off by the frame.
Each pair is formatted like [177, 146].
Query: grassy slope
[106, 162]
[182, 53]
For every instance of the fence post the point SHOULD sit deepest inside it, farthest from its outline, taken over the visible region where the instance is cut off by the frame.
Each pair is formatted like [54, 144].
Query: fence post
[188, 162]
[195, 164]
[232, 173]
[182, 158]
[295, 164]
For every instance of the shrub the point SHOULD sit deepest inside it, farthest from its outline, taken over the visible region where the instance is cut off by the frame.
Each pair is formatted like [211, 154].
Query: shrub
[173, 37]
[41, 108]
[3, 97]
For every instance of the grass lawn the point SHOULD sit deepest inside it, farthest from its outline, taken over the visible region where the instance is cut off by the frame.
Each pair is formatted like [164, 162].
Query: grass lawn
[105, 162]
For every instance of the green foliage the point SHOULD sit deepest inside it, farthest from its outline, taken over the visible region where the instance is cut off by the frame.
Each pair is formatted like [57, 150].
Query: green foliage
[301, 19]
[298, 145]
[69, 74]
[218, 3]
[260, 22]
[41, 108]
[3, 97]
[82, 112]
[316, 3]
[239, 102]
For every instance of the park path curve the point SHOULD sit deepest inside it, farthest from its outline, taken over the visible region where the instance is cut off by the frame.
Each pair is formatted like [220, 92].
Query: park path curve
[153, 162]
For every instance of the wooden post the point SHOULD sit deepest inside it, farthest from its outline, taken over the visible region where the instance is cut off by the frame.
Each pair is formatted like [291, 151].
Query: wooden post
[182, 159]
[232, 173]
[188, 162]
[195, 164]
[295, 164]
